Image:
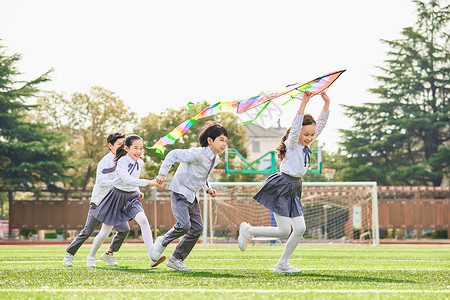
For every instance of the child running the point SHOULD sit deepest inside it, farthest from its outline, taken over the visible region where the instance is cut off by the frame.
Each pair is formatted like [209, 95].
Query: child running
[190, 177]
[281, 192]
[123, 203]
[103, 183]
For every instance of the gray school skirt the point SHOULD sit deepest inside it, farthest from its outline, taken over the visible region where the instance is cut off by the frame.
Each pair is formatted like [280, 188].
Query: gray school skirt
[118, 207]
[281, 194]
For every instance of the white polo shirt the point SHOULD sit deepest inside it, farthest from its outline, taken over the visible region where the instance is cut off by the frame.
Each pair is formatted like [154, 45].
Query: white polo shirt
[104, 178]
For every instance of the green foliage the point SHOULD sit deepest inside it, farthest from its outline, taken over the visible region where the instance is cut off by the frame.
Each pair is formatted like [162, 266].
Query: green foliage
[27, 233]
[85, 120]
[31, 156]
[152, 127]
[403, 140]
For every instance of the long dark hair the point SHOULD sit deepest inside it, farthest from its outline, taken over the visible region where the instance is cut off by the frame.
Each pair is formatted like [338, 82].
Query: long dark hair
[128, 142]
[281, 149]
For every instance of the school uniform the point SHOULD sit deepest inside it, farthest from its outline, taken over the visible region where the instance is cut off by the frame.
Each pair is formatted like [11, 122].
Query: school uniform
[122, 203]
[282, 191]
[190, 176]
[103, 183]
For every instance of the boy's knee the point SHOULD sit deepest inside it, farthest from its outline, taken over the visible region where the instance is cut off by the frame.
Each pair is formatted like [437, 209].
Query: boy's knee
[197, 232]
[123, 232]
[86, 231]
[184, 227]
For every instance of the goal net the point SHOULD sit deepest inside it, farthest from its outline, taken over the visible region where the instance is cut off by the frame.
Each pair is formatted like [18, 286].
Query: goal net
[345, 212]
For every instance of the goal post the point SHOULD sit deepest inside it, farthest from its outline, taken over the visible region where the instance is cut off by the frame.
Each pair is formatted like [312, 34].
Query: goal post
[345, 212]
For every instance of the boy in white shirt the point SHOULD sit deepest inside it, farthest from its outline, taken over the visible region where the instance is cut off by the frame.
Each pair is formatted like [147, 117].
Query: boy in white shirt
[103, 183]
[190, 177]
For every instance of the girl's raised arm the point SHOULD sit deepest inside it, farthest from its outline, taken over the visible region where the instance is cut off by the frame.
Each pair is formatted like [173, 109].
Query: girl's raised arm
[326, 105]
[296, 127]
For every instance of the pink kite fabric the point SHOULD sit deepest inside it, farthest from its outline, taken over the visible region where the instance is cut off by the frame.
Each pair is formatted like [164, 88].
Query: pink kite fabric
[314, 86]
[293, 90]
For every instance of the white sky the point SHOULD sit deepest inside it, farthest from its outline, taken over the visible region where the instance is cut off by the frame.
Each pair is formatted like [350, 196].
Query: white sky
[161, 54]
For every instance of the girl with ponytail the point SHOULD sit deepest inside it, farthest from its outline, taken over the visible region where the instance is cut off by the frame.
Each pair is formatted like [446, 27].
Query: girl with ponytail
[122, 203]
[281, 192]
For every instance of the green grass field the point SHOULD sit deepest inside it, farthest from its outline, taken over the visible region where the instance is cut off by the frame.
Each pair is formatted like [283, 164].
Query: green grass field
[224, 272]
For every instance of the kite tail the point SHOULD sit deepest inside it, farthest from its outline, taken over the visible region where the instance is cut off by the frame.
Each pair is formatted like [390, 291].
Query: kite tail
[181, 129]
[173, 136]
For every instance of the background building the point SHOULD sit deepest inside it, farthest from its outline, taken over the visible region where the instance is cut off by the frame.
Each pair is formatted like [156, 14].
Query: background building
[261, 141]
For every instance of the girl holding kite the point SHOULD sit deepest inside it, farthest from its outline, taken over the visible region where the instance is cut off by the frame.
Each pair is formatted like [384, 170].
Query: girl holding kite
[281, 192]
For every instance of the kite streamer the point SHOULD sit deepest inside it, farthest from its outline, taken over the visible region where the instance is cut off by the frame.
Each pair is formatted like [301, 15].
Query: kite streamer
[295, 90]
[181, 129]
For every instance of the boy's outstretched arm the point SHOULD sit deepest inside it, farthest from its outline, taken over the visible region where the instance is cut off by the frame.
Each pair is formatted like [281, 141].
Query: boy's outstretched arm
[212, 192]
[176, 155]
[160, 179]
[154, 182]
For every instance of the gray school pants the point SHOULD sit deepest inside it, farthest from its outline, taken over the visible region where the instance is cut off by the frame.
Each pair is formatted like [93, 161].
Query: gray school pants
[91, 224]
[189, 223]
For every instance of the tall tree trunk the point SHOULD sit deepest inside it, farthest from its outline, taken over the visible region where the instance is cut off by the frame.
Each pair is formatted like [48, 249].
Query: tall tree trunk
[86, 178]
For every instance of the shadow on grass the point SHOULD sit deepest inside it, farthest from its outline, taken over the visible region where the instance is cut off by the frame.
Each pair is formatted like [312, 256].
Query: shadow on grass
[184, 274]
[127, 269]
[345, 278]
[218, 274]
[207, 274]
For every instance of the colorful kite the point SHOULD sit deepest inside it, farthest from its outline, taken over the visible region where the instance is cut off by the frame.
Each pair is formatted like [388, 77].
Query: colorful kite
[294, 90]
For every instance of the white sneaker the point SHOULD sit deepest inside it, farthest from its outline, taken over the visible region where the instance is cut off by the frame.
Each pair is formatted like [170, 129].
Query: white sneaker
[157, 249]
[160, 260]
[285, 268]
[178, 265]
[244, 237]
[109, 258]
[68, 260]
[90, 262]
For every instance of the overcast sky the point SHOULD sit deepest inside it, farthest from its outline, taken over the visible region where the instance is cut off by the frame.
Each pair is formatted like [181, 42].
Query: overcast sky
[160, 54]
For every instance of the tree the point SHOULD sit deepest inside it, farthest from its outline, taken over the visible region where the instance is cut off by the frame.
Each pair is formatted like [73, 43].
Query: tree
[404, 139]
[152, 127]
[86, 120]
[31, 156]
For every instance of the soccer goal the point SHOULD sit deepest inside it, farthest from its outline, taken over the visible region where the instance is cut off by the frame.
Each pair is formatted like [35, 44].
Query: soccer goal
[341, 212]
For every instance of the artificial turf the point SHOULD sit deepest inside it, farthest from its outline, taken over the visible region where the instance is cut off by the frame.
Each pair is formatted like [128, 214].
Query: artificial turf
[224, 272]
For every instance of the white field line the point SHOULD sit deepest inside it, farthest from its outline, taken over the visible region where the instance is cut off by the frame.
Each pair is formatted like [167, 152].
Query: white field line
[269, 259]
[325, 259]
[261, 291]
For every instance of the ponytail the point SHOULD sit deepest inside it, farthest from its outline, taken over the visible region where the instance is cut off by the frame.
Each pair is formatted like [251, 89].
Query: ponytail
[120, 152]
[282, 147]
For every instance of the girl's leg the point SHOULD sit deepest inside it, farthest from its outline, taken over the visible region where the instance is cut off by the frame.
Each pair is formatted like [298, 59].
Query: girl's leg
[142, 220]
[99, 239]
[298, 224]
[282, 230]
